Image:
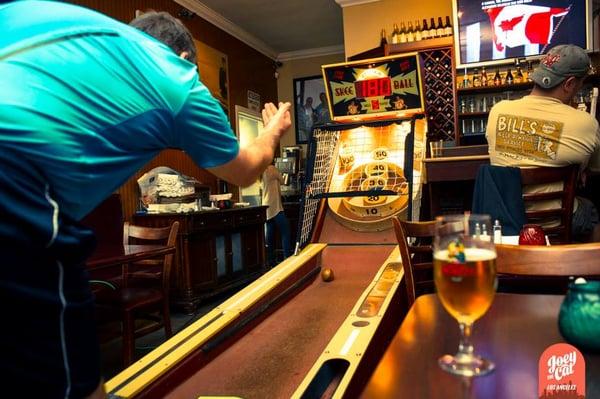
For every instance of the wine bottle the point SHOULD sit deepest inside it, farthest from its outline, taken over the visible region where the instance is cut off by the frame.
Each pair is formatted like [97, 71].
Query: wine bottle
[418, 35]
[410, 34]
[509, 78]
[439, 32]
[383, 40]
[519, 77]
[497, 78]
[484, 77]
[432, 30]
[395, 34]
[448, 27]
[476, 78]
[425, 30]
[402, 33]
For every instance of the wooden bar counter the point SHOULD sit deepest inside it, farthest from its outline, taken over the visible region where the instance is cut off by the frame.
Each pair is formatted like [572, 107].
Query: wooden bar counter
[450, 178]
[216, 251]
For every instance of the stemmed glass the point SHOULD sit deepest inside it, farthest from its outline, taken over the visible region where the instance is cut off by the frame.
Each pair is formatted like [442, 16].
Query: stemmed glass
[464, 267]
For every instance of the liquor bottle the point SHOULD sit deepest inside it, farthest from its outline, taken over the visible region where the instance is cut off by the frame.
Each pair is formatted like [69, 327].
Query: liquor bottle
[418, 35]
[432, 30]
[509, 78]
[425, 30]
[410, 34]
[476, 78]
[519, 77]
[497, 78]
[529, 71]
[439, 32]
[581, 106]
[383, 40]
[395, 34]
[448, 27]
[466, 83]
[402, 33]
[484, 77]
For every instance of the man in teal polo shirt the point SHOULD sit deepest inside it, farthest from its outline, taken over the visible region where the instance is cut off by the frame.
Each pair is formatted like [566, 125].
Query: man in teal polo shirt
[85, 102]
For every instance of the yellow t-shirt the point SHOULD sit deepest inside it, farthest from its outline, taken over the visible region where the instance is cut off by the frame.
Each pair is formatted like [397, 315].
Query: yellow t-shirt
[542, 131]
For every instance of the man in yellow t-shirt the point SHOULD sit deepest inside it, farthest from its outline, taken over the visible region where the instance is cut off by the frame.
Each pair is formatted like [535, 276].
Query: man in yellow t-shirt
[542, 129]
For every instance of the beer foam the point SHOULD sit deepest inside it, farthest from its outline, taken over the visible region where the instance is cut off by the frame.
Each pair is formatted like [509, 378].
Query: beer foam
[471, 254]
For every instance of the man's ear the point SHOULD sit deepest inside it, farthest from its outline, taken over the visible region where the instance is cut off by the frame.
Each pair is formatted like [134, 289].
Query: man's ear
[184, 55]
[570, 83]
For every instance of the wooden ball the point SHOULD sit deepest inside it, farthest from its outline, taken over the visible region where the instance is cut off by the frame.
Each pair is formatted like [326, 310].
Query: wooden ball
[327, 274]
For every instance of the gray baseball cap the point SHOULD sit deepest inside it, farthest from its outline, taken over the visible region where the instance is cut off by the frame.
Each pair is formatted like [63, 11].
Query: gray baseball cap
[560, 63]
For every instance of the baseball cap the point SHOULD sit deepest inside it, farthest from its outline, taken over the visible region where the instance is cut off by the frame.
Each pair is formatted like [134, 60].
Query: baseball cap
[559, 63]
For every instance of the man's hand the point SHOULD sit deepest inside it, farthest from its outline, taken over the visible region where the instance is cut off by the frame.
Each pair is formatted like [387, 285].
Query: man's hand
[277, 120]
[252, 160]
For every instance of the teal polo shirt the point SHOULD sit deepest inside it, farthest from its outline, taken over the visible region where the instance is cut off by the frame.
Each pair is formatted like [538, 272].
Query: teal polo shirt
[86, 101]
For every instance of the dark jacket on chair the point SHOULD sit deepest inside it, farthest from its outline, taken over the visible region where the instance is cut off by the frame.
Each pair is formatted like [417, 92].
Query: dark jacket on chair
[498, 193]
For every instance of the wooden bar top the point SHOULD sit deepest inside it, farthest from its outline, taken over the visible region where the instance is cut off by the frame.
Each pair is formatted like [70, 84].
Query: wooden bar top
[513, 334]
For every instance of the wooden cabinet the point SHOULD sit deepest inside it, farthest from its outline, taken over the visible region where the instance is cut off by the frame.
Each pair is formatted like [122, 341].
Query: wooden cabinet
[216, 251]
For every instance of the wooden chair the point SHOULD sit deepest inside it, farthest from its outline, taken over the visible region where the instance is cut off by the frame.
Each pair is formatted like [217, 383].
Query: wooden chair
[560, 234]
[142, 289]
[554, 260]
[416, 258]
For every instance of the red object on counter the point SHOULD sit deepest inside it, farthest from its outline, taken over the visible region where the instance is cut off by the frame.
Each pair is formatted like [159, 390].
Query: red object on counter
[532, 234]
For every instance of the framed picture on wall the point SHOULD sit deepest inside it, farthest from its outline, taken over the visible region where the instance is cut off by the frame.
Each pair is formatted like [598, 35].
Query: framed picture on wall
[310, 106]
[214, 73]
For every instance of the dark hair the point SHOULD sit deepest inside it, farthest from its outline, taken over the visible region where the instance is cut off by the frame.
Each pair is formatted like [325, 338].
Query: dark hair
[169, 30]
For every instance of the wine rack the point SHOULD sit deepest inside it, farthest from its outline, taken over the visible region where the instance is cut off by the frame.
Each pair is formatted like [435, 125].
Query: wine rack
[440, 99]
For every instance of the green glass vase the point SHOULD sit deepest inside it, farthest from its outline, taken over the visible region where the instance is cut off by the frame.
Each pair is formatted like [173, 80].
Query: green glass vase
[579, 318]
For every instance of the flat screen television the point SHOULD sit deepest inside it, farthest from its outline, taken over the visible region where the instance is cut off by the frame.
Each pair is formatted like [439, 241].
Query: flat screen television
[498, 31]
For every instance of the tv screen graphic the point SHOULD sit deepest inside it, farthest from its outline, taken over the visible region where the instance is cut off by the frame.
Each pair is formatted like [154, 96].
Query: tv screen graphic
[493, 31]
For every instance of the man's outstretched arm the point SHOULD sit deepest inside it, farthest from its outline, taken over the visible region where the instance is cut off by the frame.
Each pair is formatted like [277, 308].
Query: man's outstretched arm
[252, 160]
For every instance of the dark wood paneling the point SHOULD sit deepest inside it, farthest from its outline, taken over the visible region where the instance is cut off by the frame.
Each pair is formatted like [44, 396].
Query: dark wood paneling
[248, 70]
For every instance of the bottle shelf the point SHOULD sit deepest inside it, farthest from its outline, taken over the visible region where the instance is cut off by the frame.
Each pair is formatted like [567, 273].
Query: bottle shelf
[444, 41]
[494, 89]
[467, 115]
[473, 134]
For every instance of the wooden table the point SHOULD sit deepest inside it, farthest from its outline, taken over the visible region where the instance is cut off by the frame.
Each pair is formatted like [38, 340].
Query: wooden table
[450, 178]
[513, 333]
[107, 260]
[115, 255]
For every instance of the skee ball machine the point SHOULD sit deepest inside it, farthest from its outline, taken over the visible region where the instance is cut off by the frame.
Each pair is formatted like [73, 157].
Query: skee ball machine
[290, 333]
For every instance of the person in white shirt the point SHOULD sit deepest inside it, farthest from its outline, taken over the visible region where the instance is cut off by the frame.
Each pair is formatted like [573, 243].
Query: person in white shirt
[271, 195]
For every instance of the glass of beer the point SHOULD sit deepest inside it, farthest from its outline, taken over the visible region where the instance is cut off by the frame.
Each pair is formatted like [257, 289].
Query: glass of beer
[464, 269]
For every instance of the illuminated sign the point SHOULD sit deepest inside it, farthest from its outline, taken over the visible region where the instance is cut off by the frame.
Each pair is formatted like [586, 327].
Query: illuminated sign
[376, 87]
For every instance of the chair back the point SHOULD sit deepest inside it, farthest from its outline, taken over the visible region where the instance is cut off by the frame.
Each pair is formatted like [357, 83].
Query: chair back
[545, 175]
[416, 257]
[554, 260]
[133, 234]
